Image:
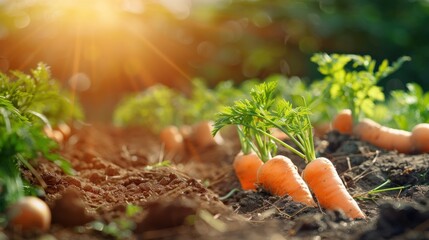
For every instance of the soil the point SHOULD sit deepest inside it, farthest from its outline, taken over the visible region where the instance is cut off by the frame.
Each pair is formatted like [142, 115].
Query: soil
[197, 196]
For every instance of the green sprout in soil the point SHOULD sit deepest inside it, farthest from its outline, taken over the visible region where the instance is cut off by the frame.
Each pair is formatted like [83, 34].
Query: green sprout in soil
[165, 163]
[373, 193]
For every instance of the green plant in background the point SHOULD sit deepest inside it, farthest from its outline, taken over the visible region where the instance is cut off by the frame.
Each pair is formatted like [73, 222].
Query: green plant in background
[408, 108]
[154, 108]
[204, 102]
[350, 81]
[160, 106]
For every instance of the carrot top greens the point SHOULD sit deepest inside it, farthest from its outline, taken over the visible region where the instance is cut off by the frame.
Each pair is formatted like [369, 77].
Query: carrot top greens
[264, 111]
[25, 100]
[352, 79]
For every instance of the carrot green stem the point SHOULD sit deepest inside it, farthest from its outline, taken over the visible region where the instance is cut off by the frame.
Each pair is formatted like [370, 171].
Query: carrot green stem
[291, 137]
[262, 144]
[32, 170]
[312, 152]
[244, 142]
[6, 119]
[379, 190]
[229, 194]
[287, 146]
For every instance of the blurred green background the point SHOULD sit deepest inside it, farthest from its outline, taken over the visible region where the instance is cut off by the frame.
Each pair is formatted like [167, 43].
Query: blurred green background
[104, 49]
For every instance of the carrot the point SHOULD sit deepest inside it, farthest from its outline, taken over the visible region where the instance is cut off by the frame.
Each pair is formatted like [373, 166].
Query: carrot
[65, 129]
[323, 179]
[172, 140]
[320, 129]
[246, 167]
[343, 122]
[420, 137]
[384, 137]
[54, 134]
[280, 177]
[201, 135]
[278, 134]
[29, 214]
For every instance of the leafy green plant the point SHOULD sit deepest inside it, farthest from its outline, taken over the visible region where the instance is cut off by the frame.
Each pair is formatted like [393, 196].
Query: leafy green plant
[204, 102]
[24, 99]
[21, 143]
[154, 108]
[37, 94]
[160, 106]
[350, 81]
[408, 108]
[266, 110]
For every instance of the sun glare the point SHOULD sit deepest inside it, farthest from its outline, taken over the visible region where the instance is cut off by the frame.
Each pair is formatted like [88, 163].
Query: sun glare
[99, 13]
[98, 46]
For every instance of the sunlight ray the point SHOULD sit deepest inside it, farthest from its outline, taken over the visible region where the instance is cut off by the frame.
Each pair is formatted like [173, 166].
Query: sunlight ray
[164, 57]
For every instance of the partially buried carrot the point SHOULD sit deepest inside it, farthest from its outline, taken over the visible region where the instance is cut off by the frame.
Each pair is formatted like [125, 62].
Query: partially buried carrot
[201, 135]
[420, 137]
[247, 162]
[246, 167]
[343, 122]
[384, 137]
[172, 139]
[322, 178]
[280, 177]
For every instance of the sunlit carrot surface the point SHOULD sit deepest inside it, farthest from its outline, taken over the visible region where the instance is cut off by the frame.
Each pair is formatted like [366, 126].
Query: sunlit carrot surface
[343, 122]
[280, 177]
[246, 167]
[324, 181]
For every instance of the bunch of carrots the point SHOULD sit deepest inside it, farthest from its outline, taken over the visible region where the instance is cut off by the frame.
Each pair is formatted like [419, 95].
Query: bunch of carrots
[256, 166]
[381, 136]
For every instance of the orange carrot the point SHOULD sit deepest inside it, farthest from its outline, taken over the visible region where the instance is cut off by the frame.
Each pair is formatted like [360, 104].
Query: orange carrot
[246, 167]
[65, 129]
[172, 140]
[367, 130]
[384, 137]
[343, 122]
[323, 180]
[278, 134]
[201, 135]
[420, 137]
[320, 129]
[280, 177]
[29, 214]
[54, 134]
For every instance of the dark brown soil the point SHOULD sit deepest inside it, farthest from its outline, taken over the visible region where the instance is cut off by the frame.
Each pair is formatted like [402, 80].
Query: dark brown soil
[186, 200]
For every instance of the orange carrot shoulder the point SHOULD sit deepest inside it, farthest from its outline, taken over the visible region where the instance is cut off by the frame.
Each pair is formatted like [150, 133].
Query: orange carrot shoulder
[246, 167]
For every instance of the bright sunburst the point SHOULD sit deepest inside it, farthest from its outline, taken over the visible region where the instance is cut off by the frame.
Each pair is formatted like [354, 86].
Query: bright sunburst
[95, 46]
